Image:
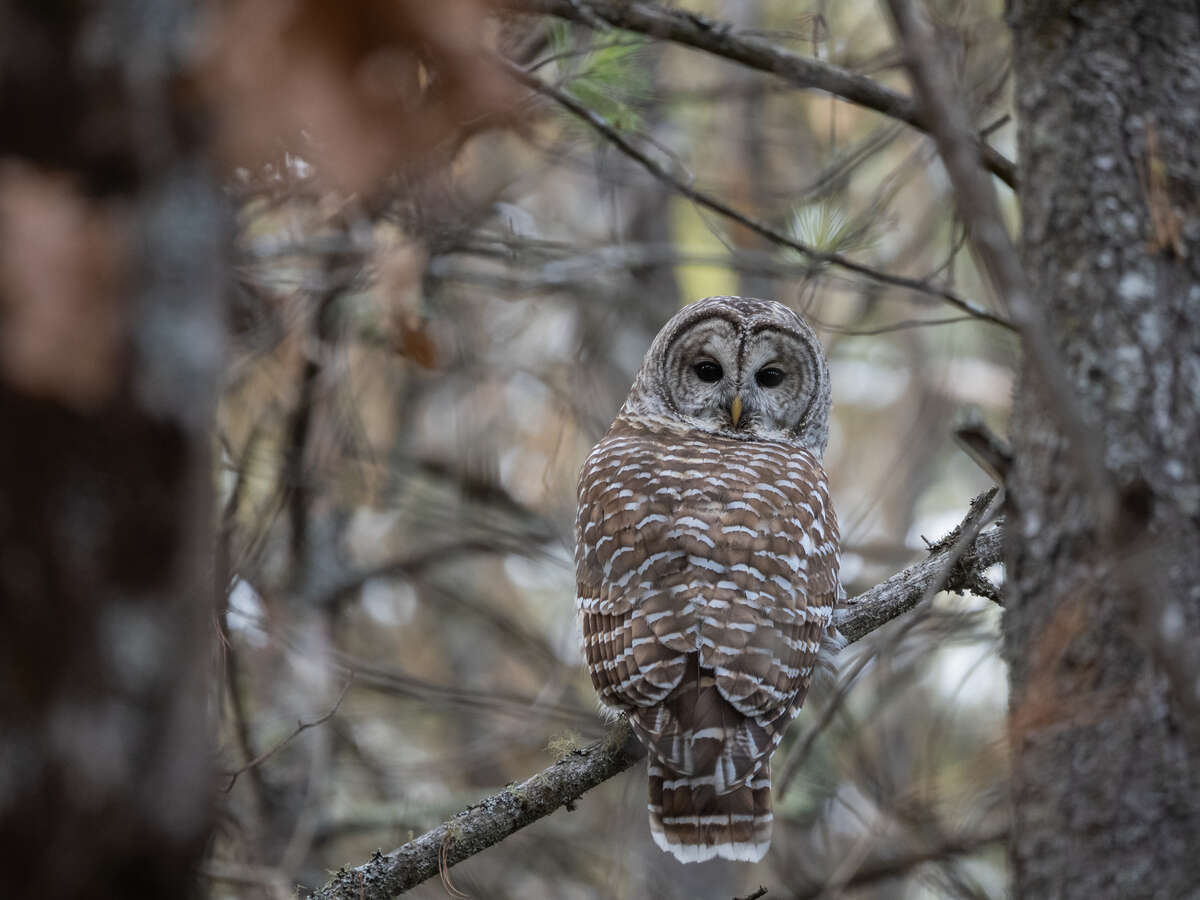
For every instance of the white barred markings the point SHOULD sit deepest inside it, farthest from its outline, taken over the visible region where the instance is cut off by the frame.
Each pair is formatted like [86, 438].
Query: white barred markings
[707, 576]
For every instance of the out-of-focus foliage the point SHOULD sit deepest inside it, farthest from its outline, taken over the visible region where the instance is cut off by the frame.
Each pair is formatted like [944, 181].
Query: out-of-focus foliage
[420, 369]
[609, 76]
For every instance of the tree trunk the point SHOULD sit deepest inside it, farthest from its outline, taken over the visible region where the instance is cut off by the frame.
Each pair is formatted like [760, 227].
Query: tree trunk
[1106, 778]
[111, 271]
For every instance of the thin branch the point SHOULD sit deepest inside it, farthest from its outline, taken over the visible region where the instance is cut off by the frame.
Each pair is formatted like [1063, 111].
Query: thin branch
[902, 325]
[369, 675]
[407, 567]
[491, 702]
[488, 822]
[720, 39]
[235, 706]
[581, 266]
[300, 727]
[337, 274]
[953, 562]
[952, 565]
[874, 871]
[619, 141]
[246, 874]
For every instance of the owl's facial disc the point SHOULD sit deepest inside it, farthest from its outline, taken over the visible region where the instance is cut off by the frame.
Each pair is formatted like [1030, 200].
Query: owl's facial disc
[777, 381]
[749, 382]
[737, 367]
[701, 370]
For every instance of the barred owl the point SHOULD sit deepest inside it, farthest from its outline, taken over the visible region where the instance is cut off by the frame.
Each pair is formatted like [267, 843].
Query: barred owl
[707, 563]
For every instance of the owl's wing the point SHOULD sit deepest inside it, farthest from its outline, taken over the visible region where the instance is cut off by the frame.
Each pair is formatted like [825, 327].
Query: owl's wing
[765, 600]
[631, 566]
[735, 557]
[780, 547]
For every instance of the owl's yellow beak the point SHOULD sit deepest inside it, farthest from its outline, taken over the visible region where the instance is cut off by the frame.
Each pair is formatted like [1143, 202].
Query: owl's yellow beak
[735, 409]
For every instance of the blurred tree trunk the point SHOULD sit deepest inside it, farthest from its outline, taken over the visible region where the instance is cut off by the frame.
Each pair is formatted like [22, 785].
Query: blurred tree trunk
[1106, 783]
[111, 269]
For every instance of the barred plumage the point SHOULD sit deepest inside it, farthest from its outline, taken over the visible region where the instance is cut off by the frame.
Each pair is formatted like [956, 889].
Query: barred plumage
[707, 565]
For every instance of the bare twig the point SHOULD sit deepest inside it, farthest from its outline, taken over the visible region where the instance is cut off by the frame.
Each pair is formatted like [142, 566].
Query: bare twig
[761, 892]
[720, 39]
[408, 567]
[300, 727]
[478, 827]
[874, 871]
[619, 141]
[966, 552]
[233, 872]
[293, 474]
[902, 325]
[370, 675]
[492, 702]
[561, 270]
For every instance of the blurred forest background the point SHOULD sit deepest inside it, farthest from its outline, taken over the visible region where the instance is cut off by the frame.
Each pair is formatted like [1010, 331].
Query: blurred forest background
[416, 379]
[444, 236]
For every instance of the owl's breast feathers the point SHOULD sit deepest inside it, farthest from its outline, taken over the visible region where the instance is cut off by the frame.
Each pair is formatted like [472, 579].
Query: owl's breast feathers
[707, 573]
[718, 547]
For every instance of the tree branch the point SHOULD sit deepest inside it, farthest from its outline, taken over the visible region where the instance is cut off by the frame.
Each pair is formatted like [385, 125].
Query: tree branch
[488, 822]
[887, 867]
[949, 567]
[301, 727]
[719, 39]
[582, 112]
[492, 820]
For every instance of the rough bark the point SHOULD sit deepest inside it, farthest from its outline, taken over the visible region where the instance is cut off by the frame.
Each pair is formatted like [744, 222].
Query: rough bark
[104, 462]
[1106, 778]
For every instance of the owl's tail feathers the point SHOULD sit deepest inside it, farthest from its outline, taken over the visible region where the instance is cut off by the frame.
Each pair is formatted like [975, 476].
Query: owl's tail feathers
[692, 822]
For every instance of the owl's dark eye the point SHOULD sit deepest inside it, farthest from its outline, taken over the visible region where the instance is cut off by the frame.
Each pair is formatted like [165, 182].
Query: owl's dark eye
[769, 377]
[708, 371]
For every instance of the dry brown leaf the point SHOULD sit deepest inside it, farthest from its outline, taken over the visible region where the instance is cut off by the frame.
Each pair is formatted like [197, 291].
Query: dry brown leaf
[400, 263]
[360, 88]
[415, 343]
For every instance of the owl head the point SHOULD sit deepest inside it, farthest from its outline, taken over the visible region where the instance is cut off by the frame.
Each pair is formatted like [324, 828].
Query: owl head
[739, 368]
